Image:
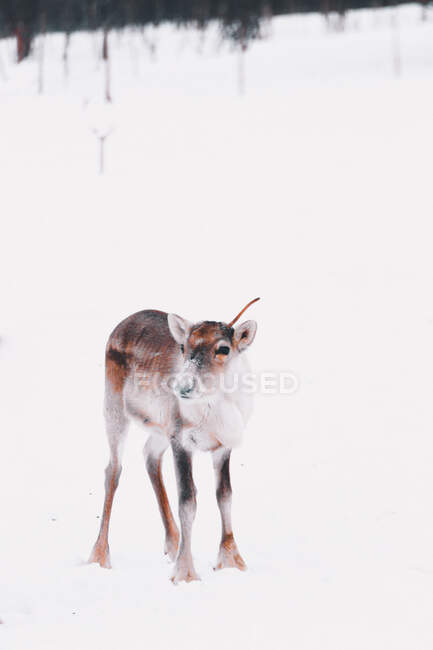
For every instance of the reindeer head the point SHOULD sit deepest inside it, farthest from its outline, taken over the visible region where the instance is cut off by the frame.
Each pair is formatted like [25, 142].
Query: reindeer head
[209, 350]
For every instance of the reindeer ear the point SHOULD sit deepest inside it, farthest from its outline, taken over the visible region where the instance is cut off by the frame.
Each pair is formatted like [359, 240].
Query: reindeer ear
[179, 327]
[245, 333]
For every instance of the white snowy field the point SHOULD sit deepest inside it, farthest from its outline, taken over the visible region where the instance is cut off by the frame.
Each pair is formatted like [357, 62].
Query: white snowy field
[313, 191]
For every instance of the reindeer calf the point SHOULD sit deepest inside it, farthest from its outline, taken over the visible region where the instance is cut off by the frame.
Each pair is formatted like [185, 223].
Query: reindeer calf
[181, 381]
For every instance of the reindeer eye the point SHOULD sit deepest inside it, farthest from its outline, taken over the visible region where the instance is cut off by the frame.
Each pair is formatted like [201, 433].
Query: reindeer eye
[223, 350]
[182, 348]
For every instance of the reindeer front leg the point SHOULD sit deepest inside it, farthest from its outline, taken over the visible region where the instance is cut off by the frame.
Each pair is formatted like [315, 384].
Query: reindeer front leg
[228, 555]
[184, 567]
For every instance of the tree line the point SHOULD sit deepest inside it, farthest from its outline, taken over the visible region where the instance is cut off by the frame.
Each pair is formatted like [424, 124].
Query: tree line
[239, 19]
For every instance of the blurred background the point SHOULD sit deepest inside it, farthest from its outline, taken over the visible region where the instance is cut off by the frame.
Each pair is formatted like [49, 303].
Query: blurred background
[189, 156]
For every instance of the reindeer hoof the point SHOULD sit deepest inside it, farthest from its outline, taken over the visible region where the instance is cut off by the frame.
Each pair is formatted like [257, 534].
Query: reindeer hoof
[233, 563]
[229, 557]
[184, 573]
[100, 556]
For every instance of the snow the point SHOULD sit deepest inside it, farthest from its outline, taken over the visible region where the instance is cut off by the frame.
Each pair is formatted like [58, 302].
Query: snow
[313, 190]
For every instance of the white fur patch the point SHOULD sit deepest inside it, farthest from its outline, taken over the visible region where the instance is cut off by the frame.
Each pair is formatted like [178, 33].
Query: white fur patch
[220, 419]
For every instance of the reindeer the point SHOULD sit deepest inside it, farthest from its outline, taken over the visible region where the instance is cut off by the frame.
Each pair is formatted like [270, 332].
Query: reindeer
[181, 381]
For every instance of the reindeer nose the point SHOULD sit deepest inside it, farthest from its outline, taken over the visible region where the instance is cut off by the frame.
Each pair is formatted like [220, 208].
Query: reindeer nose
[186, 389]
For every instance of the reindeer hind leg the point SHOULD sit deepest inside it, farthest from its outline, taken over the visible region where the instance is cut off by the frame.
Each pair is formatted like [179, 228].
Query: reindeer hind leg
[117, 426]
[153, 452]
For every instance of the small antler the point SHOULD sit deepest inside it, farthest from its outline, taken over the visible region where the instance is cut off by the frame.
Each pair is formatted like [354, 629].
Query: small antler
[241, 312]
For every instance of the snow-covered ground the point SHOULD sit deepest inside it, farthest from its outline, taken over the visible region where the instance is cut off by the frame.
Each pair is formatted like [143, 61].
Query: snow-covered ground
[314, 191]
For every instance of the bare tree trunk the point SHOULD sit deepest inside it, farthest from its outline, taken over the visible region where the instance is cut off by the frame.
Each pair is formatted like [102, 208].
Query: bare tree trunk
[325, 11]
[150, 42]
[66, 56]
[201, 39]
[341, 20]
[93, 24]
[101, 154]
[106, 58]
[266, 20]
[20, 44]
[241, 71]
[241, 63]
[133, 52]
[396, 45]
[41, 43]
[3, 69]
[23, 41]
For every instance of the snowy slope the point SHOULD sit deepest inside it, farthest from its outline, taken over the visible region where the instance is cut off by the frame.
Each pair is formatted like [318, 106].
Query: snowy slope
[313, 190]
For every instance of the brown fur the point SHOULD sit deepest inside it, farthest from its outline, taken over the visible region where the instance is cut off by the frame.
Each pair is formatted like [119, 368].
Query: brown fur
[116, 368]
[143, 343]
[171, 530]
[202, 341]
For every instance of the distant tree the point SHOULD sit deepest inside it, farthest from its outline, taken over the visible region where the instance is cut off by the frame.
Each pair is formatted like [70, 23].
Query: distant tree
[241, 27]
[24, 40]
[41, 44]
[396, 44]
[106, 59]
[69, 12]
[3, 70]
[65, 55]
[22, 17]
